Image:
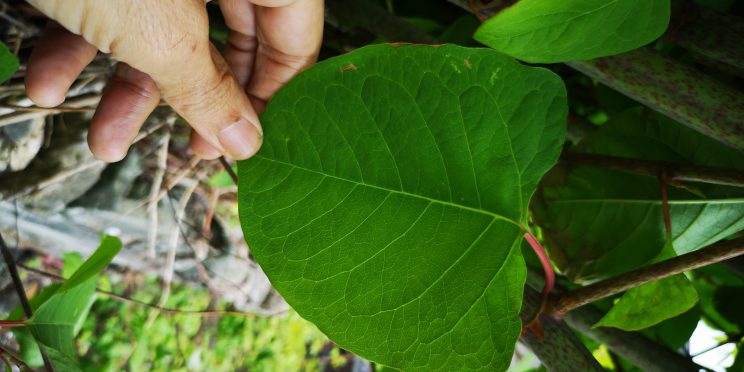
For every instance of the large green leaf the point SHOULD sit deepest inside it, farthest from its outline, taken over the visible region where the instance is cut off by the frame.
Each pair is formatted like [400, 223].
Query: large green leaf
[389, 199]
[651, 303]
[549, 31]
[600, 223]
[53, 323]
[8, 63]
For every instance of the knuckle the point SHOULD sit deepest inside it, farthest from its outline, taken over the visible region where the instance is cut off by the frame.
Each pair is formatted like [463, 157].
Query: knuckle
[208, 92]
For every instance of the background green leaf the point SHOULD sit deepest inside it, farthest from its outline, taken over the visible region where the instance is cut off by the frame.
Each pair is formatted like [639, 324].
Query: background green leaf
[600, 222]
[676, 332]
[56, 320]
[546, 31]
[109, 248]
[729, 302]
[386, 202]
[60, 361]
[707, 280]
[650, 304]
[8, 63]
[28, 347]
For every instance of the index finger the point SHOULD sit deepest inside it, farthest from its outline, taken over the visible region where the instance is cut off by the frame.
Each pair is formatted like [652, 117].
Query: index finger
[289, 37]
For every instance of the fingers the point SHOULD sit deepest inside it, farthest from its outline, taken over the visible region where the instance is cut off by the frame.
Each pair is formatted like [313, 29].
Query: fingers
[169, 41]
[289, 34]
[128, 100]
[55, 63]
[242, 43]
[202, 148]
[211, 100]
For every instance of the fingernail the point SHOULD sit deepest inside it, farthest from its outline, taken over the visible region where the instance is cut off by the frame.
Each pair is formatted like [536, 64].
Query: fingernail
[240, 139]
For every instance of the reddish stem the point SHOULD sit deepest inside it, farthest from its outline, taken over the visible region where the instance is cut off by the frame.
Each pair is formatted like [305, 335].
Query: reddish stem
[544, 261]
[534, 325]
[664, 183]
[12, 323]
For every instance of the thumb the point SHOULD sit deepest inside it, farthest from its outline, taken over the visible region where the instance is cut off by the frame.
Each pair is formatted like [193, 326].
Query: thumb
[207, 95]
[169, 40]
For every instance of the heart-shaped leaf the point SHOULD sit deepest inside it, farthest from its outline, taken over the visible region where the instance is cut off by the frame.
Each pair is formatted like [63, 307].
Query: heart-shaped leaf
[389, 199]
[549, 31]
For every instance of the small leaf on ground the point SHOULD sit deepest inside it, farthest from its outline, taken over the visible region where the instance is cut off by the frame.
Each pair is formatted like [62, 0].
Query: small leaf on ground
[109, 248]
[54, 323]
[8, 63]
[387, 202]
[650, 304]
[547, 31]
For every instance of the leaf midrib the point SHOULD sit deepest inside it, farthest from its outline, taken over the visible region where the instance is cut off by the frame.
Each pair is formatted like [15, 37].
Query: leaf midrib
[400, 192]
[648, 201]
[545, 26]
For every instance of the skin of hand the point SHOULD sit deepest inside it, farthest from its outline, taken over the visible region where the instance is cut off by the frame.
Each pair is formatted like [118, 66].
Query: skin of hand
[164, 51]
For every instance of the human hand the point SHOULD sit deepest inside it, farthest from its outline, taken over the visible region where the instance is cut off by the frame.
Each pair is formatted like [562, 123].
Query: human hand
[164, 50]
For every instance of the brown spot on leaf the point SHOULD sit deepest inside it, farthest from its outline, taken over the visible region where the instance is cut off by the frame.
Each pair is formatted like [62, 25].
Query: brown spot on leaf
[467, 64]
[349, 67]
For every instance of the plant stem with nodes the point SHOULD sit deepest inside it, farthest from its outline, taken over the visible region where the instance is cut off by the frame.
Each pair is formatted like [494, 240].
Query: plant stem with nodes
[721, 251]
[674, 172]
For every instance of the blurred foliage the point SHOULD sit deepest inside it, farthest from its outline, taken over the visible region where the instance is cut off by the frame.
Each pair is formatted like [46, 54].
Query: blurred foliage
[115, 336]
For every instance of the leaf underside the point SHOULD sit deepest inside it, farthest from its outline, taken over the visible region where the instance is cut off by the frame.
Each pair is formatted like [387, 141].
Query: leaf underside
[601, 223]
[388, 199]
[544, 31]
